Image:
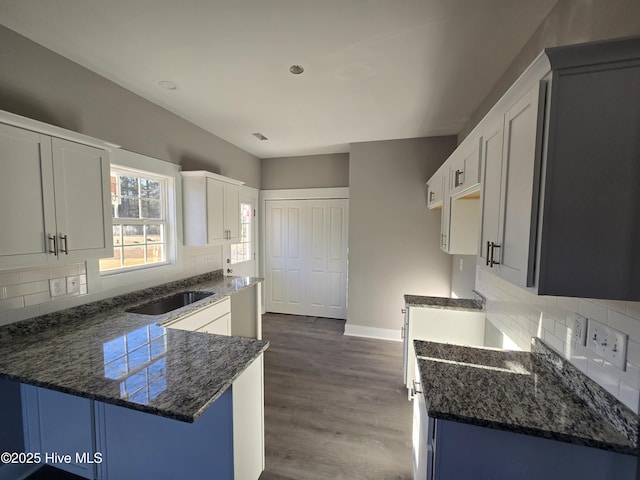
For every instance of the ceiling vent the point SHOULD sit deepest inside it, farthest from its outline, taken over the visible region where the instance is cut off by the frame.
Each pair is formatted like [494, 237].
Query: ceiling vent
[259, 136]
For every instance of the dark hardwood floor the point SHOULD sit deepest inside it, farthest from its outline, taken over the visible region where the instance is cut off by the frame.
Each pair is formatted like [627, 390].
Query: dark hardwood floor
[335, 406]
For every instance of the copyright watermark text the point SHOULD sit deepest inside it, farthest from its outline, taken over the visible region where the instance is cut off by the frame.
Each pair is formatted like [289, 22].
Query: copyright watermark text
[51, 457]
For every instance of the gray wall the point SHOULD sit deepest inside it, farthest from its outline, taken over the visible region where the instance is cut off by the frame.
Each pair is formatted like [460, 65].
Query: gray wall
[463, 281]
[38, 83]
[393, 237]
[310, 171]
[570, 21]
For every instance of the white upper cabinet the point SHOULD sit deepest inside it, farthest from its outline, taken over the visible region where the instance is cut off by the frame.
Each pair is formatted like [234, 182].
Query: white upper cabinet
[510, 186]
[211, 208]
[435, 190]
[464, 169]
[56, 199]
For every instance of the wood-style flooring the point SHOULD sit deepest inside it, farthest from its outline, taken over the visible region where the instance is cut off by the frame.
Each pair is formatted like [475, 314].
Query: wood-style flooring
[335, 405]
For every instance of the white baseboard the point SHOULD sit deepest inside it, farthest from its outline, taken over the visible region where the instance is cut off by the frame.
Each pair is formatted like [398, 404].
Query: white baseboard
[372, 332]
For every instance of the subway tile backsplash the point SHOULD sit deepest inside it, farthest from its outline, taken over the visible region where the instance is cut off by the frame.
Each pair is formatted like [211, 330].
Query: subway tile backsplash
[520, 315]
[26, 293]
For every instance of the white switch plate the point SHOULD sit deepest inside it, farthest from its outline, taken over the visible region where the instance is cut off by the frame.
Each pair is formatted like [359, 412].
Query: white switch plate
[608, 343]
[73, 284]
[57, 286]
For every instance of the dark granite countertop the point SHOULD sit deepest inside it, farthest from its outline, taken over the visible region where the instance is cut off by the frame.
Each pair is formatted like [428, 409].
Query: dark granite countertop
[101, 352]
[443, 302]
[511, 391]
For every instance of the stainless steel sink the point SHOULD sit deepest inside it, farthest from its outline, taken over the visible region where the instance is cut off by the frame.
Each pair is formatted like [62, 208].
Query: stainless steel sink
[169, 303]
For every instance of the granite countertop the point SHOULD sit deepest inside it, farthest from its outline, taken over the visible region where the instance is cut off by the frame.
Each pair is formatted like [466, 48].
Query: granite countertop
[101, 352]
[443, 302]
[511, 391]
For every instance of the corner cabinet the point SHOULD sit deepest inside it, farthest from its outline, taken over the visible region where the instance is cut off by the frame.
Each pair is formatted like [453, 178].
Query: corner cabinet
[559, 174]
[56, 199]
[211, 208]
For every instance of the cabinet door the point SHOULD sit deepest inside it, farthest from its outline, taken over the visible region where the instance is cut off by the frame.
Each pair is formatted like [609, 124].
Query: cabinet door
[491, 190]
[465, 170]
[434, 191]
[82, 199]
[232, 210]
[520, 187]
[27, 198]
[215, 210]
[60, 423]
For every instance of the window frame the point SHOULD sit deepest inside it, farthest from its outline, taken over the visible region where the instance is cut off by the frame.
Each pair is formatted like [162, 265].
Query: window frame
[164, 181]
[121, 280]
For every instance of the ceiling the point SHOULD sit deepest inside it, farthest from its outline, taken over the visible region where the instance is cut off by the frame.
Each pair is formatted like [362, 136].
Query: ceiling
[374, 69]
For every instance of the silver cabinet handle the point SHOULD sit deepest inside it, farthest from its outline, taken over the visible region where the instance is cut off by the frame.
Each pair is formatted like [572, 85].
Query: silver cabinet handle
[488, 250]
[53, 240]
[64, 250]
[459, 173]
[493, 262]
[415, 387]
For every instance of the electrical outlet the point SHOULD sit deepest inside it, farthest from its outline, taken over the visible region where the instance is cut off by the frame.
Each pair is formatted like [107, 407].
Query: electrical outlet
[578, 331]
[73, 284]
[608, 343]
[57, 286]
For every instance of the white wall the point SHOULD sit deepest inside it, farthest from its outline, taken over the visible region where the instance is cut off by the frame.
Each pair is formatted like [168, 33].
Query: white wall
[393, 237]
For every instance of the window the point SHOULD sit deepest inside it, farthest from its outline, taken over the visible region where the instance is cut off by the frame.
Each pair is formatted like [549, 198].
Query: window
[241, 252]
[139, 211]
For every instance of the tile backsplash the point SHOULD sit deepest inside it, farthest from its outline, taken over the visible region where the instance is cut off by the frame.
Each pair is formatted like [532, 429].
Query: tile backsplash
[27, 293]
[520, 315]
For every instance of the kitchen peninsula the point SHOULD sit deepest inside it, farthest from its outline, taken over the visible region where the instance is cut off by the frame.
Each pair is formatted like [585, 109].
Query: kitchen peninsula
[152, 401]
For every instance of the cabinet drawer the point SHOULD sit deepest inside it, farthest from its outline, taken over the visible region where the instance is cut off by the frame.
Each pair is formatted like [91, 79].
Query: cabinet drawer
[200, 318]
[220, 326]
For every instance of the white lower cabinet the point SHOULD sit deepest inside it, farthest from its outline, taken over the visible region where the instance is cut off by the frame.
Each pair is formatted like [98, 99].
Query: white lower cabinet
[214, 318]
[461, 327]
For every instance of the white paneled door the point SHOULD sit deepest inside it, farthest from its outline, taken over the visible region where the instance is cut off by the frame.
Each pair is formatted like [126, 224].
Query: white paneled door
[306, 257]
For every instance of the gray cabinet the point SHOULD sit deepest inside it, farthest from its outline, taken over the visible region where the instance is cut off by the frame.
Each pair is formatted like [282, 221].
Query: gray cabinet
[566, 220]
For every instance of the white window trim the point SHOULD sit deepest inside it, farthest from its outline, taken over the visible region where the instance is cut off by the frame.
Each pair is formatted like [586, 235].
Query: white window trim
[120, 279]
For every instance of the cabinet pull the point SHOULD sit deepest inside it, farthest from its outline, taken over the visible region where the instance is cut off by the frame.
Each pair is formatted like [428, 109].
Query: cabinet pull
[488, 250]
[64, 250]
[459, 173]
[492, 261]
[415, 387]
[430, 197]
[54, 239]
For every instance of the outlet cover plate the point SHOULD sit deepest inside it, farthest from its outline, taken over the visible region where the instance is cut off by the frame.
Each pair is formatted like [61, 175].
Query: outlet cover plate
[57, 286]
[608, 343]
[579, 330]
[73, 284]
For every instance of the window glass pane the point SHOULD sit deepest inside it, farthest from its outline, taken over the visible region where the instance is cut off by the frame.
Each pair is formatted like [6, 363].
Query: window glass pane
[128, 186]
[150, 189]
[150, 209]
[133, 256]
[132, 234]
[155, 253]
[155, 233]
[117, 235]
[113, 262]
[128, 208]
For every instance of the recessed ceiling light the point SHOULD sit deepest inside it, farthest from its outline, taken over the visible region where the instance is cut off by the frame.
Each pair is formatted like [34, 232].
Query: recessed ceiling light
[296, 69]
[259, 136]
[167, 84]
